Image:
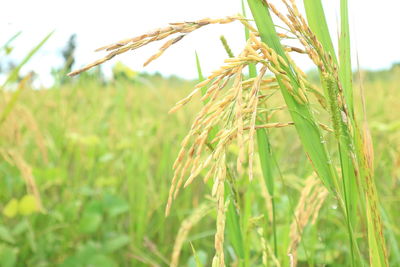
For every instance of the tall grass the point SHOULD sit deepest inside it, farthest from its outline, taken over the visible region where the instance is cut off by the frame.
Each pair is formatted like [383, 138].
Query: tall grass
[356, 157]
[352, 186]
[308, 198]
[97, 164]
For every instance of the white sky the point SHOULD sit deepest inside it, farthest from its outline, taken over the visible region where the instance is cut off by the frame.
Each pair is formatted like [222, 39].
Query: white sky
[374, 28]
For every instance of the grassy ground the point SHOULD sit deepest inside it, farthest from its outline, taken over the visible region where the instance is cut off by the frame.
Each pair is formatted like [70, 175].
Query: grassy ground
[101, 157]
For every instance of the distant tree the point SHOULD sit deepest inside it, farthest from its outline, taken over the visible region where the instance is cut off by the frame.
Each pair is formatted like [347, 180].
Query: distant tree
[68, 53]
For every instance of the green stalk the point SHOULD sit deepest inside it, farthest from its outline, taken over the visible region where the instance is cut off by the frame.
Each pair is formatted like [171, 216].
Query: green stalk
[350, 142]
[264, 152]
[305, 123]
[200, 77]
[349, 186]
[226, 46]
[317, 21]
[304, 120]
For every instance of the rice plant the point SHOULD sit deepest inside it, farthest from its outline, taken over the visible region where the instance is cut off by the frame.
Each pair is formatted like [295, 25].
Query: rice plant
[10, 147]
[235, 122]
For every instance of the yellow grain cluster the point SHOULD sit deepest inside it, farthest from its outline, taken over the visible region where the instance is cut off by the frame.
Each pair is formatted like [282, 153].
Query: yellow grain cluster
[234, 110]
[232, 103]
[311, 199]
[181, 28]
[186, 226]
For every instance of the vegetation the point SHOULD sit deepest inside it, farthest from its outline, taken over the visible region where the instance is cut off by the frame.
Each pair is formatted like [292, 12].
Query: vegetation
[278, 169]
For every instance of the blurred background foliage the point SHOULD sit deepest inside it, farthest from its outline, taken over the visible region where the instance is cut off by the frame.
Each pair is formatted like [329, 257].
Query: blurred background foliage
[86, 166]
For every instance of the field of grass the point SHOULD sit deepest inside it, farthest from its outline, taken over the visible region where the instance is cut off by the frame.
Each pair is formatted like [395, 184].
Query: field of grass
[270, 167]
[101, 156]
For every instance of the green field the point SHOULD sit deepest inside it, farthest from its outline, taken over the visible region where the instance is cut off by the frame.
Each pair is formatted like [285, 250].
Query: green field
[257, 164]
[101, 157]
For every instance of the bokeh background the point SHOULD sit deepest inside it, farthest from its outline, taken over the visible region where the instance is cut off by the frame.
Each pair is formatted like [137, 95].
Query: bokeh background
[373, 27]
[98, 148]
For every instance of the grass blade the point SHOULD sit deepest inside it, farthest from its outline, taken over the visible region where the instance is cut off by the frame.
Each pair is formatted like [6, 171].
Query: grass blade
[307, 129]
[345, 70]
[14, 74]
[6, 44]
[252, 67]
[317, 21]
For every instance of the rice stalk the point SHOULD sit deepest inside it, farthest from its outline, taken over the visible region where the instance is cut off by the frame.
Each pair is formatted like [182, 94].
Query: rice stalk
[186, 226]
[311, 199]
[15, 158]
[218, 191]
[182, 28]
[234, 111]
[339, 99]
[220, 109]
